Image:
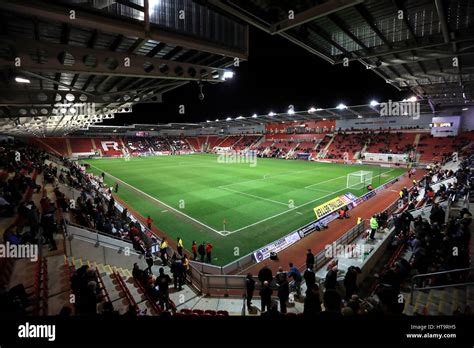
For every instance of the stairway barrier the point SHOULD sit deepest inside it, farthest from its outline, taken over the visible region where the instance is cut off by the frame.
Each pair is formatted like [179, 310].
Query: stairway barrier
[418, 276]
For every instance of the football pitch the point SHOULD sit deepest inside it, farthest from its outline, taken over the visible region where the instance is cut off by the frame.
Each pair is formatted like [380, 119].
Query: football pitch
[238, 207]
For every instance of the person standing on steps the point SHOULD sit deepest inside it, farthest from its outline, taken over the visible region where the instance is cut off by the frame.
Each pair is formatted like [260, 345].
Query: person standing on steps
[179, 242]
[164, 251]
[250, 288]
[374, 225]
[149, 261]
[283, 292]
[266, 296]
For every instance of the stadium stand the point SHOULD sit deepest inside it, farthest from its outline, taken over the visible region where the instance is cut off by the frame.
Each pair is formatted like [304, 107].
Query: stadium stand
[447, 184]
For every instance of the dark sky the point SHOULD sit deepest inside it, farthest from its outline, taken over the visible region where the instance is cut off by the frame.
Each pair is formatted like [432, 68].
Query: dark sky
[278, 73]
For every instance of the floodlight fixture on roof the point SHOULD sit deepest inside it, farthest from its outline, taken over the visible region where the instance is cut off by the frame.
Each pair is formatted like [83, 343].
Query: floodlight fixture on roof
[228, 74]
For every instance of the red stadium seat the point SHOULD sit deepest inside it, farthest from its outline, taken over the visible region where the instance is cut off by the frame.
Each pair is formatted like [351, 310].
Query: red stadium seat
[210, 311]
[224, 313]
[186, 310]
[198, 311]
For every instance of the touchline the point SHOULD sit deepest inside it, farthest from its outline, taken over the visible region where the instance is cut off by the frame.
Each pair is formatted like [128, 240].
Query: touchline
[37, 331]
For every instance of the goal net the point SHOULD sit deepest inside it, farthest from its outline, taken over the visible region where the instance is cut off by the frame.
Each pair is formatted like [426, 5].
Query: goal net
[359, 180]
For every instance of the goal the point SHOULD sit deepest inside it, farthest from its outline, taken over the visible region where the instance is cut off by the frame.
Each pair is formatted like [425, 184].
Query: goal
[359, 180]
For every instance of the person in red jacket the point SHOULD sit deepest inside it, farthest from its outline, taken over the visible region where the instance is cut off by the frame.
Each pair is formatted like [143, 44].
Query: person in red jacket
[209, 247]
[149, 221]
[194, 250]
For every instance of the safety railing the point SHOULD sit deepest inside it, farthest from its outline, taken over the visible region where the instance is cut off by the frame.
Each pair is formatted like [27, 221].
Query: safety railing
[417, 277]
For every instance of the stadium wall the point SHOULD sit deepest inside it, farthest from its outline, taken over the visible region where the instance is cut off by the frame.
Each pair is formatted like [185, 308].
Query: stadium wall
[385, 122]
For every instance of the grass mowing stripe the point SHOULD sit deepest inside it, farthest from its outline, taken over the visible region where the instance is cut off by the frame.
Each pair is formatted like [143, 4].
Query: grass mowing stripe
[302, 205]
[254, 196]
[157, 200]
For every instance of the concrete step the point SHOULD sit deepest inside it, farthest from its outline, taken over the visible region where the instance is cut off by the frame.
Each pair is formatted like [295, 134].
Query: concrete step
[435, 295]
[470, 294]
[445, 308]
[421, 298]
[112, 287]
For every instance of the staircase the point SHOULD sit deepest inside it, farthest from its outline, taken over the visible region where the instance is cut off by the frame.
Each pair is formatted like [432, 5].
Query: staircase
[256, 143]
[119, 287]
[323, 152]
[417, 140]
[292, 151]
[440, 301]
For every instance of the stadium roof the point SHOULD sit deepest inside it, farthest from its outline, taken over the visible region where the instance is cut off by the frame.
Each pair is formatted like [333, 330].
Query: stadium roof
[67, 64]
[314, 114]
[425, 46]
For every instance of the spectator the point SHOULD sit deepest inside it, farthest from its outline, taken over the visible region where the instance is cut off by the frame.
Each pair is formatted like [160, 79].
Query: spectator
[162, 282]
[265, 275]
[202, 251]
[331, 279]
[374, 225]
[249, 289]
[164, 252]
[296, 275]
[149, 221]
[178, 272]
[350, 281]
[332, 305]
[309, 259]
[209, 248]
[437, 214]
[179, 243]
[194, 250]
[266, 296]
[283, 292]
[312, 302]
[149, 261]
[310, 278]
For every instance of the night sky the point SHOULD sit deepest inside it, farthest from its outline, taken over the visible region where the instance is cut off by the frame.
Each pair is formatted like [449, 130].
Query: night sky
[277, 74]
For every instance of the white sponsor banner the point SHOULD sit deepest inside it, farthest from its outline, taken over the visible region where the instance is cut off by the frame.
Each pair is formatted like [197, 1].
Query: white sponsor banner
[385, 157]
[276, 246]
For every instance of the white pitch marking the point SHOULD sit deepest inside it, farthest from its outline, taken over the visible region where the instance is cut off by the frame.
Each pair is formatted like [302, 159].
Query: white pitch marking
[166, 205]
[325, 181]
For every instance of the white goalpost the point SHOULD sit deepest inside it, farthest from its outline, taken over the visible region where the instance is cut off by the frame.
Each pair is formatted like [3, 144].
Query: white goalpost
[359, 180]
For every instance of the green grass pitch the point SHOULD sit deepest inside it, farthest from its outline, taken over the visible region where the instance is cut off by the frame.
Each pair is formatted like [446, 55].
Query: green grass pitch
[192, 195]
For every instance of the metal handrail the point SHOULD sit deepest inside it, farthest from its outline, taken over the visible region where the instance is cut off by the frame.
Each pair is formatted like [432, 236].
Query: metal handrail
[413, 289]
